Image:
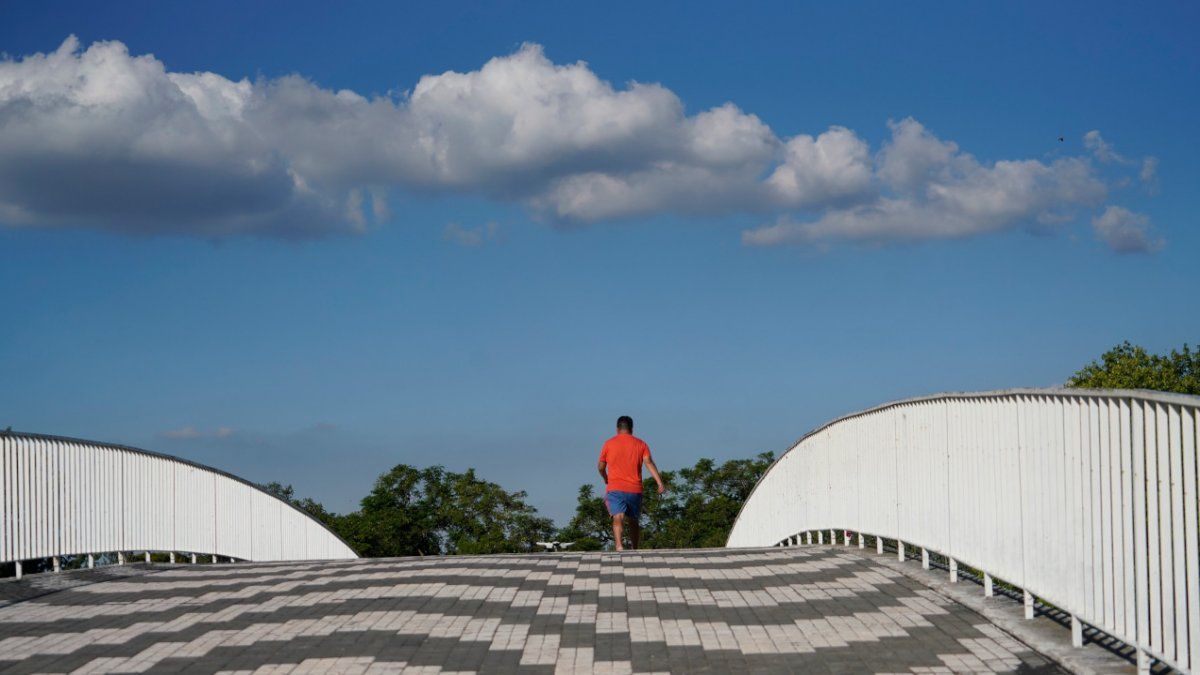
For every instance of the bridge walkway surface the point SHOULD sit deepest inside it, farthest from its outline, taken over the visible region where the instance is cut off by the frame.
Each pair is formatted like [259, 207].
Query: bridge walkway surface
[811, 610]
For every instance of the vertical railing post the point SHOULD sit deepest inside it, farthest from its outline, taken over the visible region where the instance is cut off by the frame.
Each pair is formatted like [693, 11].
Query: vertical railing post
[57, 564]
[1143, 661]
[820, 537]
[172, 557]
[91, 561]
[147, 557]
[120, 557]
[193, 558]
[20, 570]
[832, 537]
[808, 538]
[1099, 477]
[214, 558]
[879, 545]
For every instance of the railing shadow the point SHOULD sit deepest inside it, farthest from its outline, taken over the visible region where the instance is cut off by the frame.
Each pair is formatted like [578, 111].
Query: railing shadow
[1091, 634]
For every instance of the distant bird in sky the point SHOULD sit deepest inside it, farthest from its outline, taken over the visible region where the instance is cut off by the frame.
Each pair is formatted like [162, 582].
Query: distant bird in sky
[1060, 139]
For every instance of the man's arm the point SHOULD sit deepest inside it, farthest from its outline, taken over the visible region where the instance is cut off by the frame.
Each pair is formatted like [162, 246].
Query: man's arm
[654, 472]
[603, 467]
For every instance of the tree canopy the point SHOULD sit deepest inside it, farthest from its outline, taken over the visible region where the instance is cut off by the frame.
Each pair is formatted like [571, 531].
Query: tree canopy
[307, 504]
[1129, 366]
[698, 509]
[432, 511]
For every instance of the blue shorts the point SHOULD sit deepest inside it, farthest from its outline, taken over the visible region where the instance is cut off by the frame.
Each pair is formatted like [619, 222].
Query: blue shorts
[629, 503]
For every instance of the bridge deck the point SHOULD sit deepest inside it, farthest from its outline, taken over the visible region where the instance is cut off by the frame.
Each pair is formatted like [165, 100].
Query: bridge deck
[799, 609]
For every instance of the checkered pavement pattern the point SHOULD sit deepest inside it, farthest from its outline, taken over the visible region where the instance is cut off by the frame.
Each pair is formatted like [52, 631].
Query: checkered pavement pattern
[811, 610]
[44, 584]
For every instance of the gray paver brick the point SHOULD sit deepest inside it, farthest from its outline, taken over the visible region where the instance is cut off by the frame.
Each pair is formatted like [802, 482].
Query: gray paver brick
[812, 610]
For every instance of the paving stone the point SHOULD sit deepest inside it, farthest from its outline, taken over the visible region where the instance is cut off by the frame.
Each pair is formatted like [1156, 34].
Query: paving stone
[811, 610]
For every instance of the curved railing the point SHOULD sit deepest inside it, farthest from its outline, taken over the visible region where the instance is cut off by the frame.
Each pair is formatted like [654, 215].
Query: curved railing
[65, 497]
[1084, 498]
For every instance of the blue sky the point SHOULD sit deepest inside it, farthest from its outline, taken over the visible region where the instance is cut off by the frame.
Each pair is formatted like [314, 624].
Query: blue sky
[254, 271]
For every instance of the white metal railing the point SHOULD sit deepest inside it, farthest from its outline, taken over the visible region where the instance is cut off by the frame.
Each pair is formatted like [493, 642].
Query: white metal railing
[1084, 498]
[62, 497]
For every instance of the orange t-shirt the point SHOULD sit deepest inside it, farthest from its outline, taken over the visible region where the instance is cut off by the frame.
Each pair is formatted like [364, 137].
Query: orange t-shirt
[624, 454]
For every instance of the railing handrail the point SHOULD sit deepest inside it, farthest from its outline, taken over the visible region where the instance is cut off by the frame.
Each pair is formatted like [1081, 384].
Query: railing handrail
[1063, 392]
[180, 460]
[1104, 479]
[55, 442]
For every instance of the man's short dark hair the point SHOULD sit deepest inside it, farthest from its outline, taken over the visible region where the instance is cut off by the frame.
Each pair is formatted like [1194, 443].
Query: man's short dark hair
[625, 422]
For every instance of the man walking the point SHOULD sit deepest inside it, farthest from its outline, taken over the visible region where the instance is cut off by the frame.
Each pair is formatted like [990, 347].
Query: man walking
[621, 468]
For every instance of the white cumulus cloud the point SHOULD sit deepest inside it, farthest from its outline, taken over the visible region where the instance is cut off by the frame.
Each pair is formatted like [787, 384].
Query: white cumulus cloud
[97, 137]
[1102, 149]
[929, 189]
[835, 165]
[1125, 231]
[1105, 153]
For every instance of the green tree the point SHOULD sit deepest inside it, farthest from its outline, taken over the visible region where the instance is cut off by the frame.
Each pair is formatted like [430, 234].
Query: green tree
[306, 504]
[398, 516]
[431, 511]
[478, 516]
[591, 527]
[704, 501]
[1129, 366]
[698, 509]
[428, 511]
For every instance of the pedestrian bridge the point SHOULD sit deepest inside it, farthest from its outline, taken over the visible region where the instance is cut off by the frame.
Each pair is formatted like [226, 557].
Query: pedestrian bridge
[724, 610]
[69, 497]
[1084, 499]
[1084, 503]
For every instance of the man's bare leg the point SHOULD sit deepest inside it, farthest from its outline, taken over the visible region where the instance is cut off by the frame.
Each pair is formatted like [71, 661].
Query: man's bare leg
[635, 533]
[618, 526]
